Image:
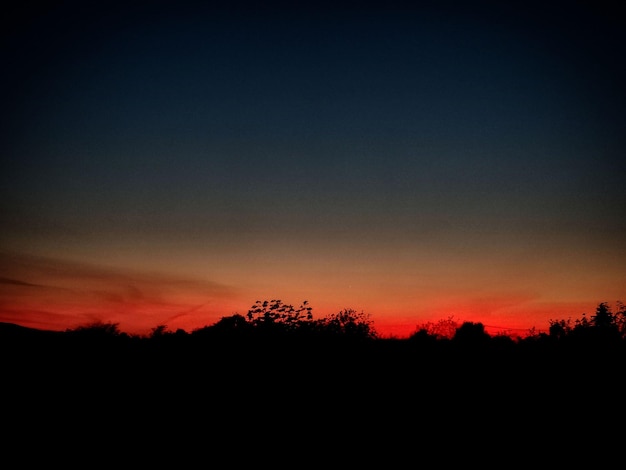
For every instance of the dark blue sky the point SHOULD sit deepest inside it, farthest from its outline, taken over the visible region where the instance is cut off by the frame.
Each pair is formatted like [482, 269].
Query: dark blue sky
[443, 127]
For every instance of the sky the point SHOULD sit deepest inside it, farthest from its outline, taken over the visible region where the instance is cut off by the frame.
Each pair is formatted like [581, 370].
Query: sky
[171, 163]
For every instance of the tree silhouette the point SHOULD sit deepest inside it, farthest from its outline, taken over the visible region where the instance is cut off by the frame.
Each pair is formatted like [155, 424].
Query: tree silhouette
[233, 323]
[559, 328]
[276, 316]
[445, 328]
[471, 333]
[158, 331]
[603, 317]
[348, 323]
[604, 328]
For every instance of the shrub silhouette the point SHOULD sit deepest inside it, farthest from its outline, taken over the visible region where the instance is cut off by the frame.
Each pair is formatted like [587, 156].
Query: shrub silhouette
[441, 329]
[96, 330]
[471, 333]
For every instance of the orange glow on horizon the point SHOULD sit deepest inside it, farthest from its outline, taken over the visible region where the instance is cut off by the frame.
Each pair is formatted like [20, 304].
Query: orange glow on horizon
[58, 295]
[140, 318]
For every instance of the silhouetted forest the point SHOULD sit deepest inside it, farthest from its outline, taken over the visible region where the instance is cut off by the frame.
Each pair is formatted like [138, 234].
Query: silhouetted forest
[327, 387]
[274, 337]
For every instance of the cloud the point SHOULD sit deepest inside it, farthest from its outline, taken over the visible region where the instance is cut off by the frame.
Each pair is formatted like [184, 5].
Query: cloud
[16, 282]
[63, 294]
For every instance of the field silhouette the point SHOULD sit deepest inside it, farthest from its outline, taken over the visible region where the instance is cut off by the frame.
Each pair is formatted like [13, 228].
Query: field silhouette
[278, 374]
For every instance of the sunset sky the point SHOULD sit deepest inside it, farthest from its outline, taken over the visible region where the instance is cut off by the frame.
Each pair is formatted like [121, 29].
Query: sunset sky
[168, 163]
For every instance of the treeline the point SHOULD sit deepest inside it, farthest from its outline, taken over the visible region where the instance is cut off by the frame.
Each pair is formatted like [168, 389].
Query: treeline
[278, 360]
[276, 324]
[276, 319]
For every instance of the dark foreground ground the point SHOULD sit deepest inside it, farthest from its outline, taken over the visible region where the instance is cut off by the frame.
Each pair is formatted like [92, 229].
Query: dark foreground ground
[294, 402]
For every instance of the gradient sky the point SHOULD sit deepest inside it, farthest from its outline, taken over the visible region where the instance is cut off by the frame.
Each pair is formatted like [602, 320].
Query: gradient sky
[172, 163]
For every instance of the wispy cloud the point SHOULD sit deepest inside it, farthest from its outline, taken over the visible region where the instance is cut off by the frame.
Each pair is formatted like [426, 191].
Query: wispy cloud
[45, 291]
[17, 282]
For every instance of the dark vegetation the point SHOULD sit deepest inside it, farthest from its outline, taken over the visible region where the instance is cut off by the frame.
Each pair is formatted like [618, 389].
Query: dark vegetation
[274, 337]
[281, 379]
[276, 324]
